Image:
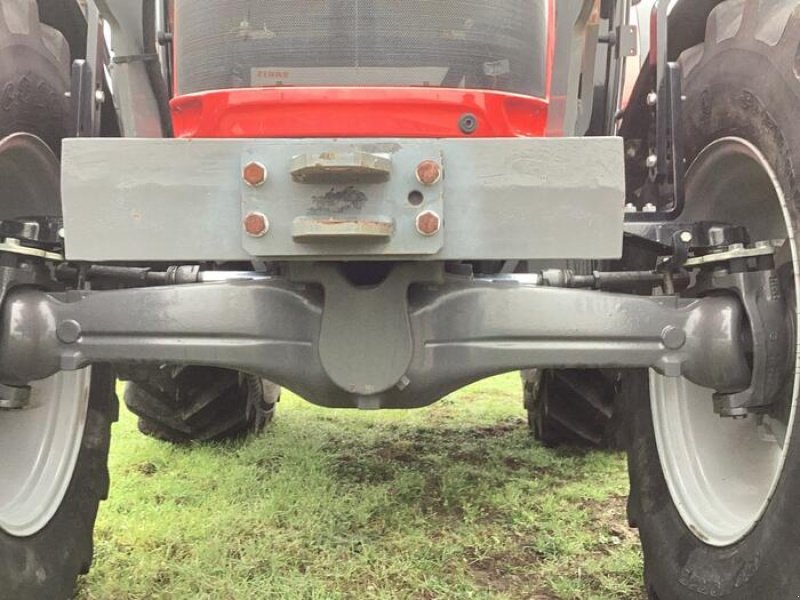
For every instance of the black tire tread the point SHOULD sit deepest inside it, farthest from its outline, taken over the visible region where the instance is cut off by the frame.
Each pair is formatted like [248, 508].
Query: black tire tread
[200, 404]
[34, 74]
[573, 407]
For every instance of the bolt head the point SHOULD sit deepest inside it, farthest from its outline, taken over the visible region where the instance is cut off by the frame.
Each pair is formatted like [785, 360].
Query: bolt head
[256, 224]
[254, 174]
[686, 237]
[651, 161]
[674, 338]
[429, 172]
[428, 223]
[68, 331]
[652, 99]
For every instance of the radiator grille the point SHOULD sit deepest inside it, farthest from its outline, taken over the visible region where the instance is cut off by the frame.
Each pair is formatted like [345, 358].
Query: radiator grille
[478, 44]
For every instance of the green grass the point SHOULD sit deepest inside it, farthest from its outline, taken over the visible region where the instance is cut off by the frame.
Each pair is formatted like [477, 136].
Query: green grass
[452, 501]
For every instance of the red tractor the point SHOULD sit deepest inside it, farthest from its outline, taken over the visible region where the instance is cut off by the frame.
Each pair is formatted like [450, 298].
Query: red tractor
[375, 203]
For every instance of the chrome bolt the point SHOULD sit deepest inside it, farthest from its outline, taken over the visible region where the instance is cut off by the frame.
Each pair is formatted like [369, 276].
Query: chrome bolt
[649, 208]
[686, 237]
[100, 96]
[652, 99]
[651, 161]
[630, 207]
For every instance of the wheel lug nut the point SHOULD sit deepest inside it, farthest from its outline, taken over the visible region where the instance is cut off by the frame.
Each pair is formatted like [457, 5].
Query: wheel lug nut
[254, 174]
[428, 223]
[256, 224]
[429, 172]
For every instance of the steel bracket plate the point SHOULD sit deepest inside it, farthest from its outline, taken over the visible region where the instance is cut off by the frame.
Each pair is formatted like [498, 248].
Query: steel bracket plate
[341, 198]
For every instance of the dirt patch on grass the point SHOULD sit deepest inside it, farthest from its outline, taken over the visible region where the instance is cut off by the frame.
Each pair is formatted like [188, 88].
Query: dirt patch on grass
[507, 571]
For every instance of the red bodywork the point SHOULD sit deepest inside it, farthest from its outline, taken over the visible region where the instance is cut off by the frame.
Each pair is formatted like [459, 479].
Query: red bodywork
[353, 112]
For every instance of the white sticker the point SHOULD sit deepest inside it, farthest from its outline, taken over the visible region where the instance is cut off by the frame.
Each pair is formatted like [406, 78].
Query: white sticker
[347, 76]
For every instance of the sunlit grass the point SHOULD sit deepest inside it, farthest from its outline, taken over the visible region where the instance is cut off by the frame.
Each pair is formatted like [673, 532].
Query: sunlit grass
[452, 501]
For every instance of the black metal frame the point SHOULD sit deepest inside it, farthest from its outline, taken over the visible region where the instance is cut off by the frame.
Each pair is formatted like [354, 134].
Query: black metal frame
[666, 181]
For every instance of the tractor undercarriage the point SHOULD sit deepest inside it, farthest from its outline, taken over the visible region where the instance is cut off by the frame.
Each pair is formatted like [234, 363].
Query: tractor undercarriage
[433, 324]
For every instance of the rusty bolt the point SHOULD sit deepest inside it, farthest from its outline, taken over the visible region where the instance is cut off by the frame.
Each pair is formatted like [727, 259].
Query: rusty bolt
[429, 172]
[256, 224]
[428, 223]
[255, 174]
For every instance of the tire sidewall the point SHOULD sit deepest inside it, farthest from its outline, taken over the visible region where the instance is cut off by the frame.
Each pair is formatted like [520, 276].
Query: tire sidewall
[33, 88]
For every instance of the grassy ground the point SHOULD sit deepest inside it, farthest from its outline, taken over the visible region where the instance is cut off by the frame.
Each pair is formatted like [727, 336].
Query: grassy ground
[454, 501]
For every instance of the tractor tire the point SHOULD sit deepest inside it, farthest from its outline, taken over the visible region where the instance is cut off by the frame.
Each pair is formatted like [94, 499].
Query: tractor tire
[200, 404]
[55, 448]
[44, 548]
[715, 499]
[571, 407]
[34, 75]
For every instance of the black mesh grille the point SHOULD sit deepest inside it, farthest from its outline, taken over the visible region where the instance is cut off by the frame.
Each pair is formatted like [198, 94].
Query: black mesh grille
[479, 44]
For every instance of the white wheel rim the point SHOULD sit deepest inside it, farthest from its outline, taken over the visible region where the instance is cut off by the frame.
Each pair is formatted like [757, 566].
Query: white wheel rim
[39, 446]
[722, 472]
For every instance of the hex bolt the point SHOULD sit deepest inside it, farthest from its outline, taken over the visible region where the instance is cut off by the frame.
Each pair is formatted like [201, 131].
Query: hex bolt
[100, 96]
[429, 172]
[428, 223]
[630, 207]
[256, 224]
[686, 237]
[254, 174]
[649, 208]
[652, 99]
[673, 337]
[651, 161]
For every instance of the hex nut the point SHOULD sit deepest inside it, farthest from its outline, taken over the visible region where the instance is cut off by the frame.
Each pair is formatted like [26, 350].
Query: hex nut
[256, 224]
[429, 172]
[254, 174]
[428, 223]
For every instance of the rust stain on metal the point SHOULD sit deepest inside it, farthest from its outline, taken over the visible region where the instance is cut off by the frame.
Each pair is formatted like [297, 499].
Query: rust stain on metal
[429, 172]
[339, 201]
[428, 223]
[254, 174]
[256, 224]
